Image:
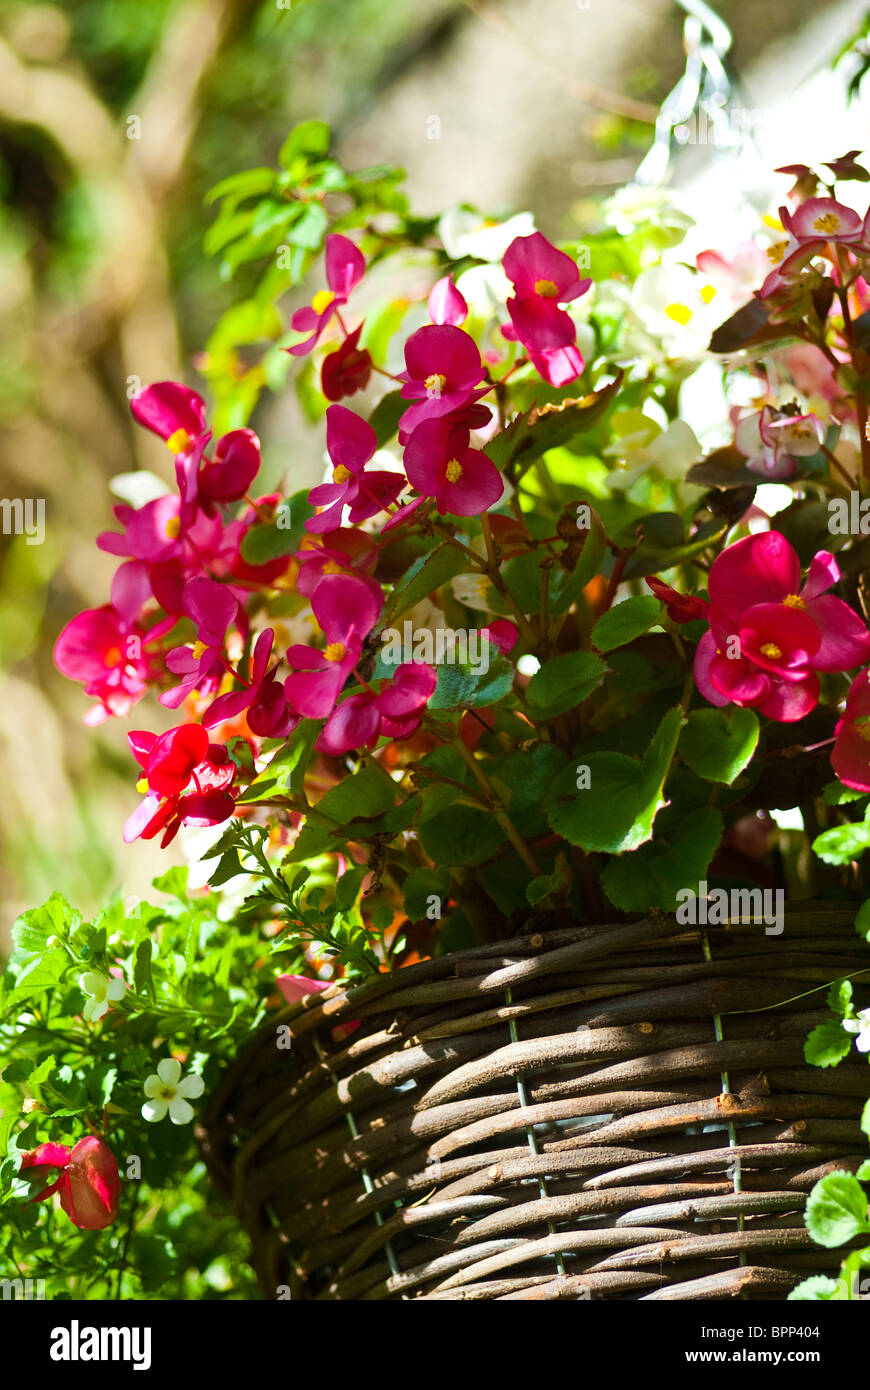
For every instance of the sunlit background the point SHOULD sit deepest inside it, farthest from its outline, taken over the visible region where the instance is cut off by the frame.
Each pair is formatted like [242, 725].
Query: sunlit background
[117, 116]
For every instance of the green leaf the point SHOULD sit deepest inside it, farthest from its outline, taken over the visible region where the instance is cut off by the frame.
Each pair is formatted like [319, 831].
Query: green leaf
[309, 230]
[718, 743]
[461, 836]
[532, 434]
[262, 543]
[836, 1210]
[287, 768]
[625, 622]
[246, 184]
[818, 1288]
[827, 1044]
[572, 584]
[835, 794]
[426, 575]
[608, 802]
[44, 972]
[655, 873]
[839, 998]
[347, 888]
[463, 686]
[563, 683]
[142, 981]
[307, 138]
[842, 843]
[365, 795]
[384, 419]
[420, 886]
[863, 1173]
[862, 921]
[55, 917]
[865, 1118]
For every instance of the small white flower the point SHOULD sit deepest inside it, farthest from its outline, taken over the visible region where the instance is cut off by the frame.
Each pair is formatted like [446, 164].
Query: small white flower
[101, 991]
[167, 1091]
[860, 1026]
[669, 453]
[678, 308]
[466, 233]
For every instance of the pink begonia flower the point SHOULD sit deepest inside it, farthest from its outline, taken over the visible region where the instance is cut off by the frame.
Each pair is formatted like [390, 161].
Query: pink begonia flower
[682, 608]
[268, 714]
[89, 1185]
[360, 720]
[440, 463]
[229, 473]
[404, 513]
[295, 988]
[446, 304]
[212, 608]
[503, 634]
[737, 272]
[346, 550]
[345, 268]
[155, 533]
[443, 367]
[105, 652]
[850, 758]
[177, 415]
[772, 439]
[347, 370]
[186, 782]
[346, 611]
[173, 412]
[350, 443]
[543, 278]
[768, 635]
[824, 220]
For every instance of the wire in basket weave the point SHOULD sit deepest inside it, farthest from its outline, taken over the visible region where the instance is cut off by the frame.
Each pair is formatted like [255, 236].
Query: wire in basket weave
[606, 1112]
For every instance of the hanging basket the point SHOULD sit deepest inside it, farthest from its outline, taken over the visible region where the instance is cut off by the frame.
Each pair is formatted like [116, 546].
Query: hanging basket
[608, 1112]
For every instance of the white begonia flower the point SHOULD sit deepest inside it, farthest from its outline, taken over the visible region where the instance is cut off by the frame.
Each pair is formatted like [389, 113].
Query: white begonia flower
[860, 1026]
[138, 488]
[669, 452]
[168, 1091]
[102, 990]
[678, 308]
[466, 233]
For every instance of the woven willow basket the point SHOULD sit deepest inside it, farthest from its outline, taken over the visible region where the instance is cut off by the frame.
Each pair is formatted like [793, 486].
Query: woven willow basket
[608, 1112]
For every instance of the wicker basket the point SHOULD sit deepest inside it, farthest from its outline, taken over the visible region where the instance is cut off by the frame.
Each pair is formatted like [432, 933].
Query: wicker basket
[609, 1112]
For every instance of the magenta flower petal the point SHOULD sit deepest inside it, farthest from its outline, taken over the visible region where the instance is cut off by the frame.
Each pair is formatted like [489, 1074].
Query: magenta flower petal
[558, 366]
[446, 304]
[760, 569]
[170, 409]
[350, 440]
[540, 324]
[313, 693]
[850, 758]
[845, 641]
[535, 266]
[789, 701]
[353, 724]
[345, 265]
[408, 691]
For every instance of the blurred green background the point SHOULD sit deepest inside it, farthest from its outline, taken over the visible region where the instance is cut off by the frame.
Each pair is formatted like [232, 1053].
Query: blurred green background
[115, 118]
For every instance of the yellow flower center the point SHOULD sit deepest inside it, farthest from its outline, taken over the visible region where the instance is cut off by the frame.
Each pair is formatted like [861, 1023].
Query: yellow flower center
[335, 651]
[340, 474]
[707, 293]
[680, 313]
[113, 657]
[435, 383]
[322, 301]
[772, 650]
[167, 1092]
[863, 727]
[453, 471]
[199, 650]
[178, 442]
[776, 252]
[828, 222]
[172, 529]
[331, 567]
[794, 601]
[546, 288]
[142, 785]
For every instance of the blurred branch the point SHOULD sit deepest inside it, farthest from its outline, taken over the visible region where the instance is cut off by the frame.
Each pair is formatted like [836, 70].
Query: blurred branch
[589, 92]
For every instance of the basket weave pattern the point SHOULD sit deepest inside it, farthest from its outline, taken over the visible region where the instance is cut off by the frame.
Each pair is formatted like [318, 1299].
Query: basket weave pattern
[606, 1112]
